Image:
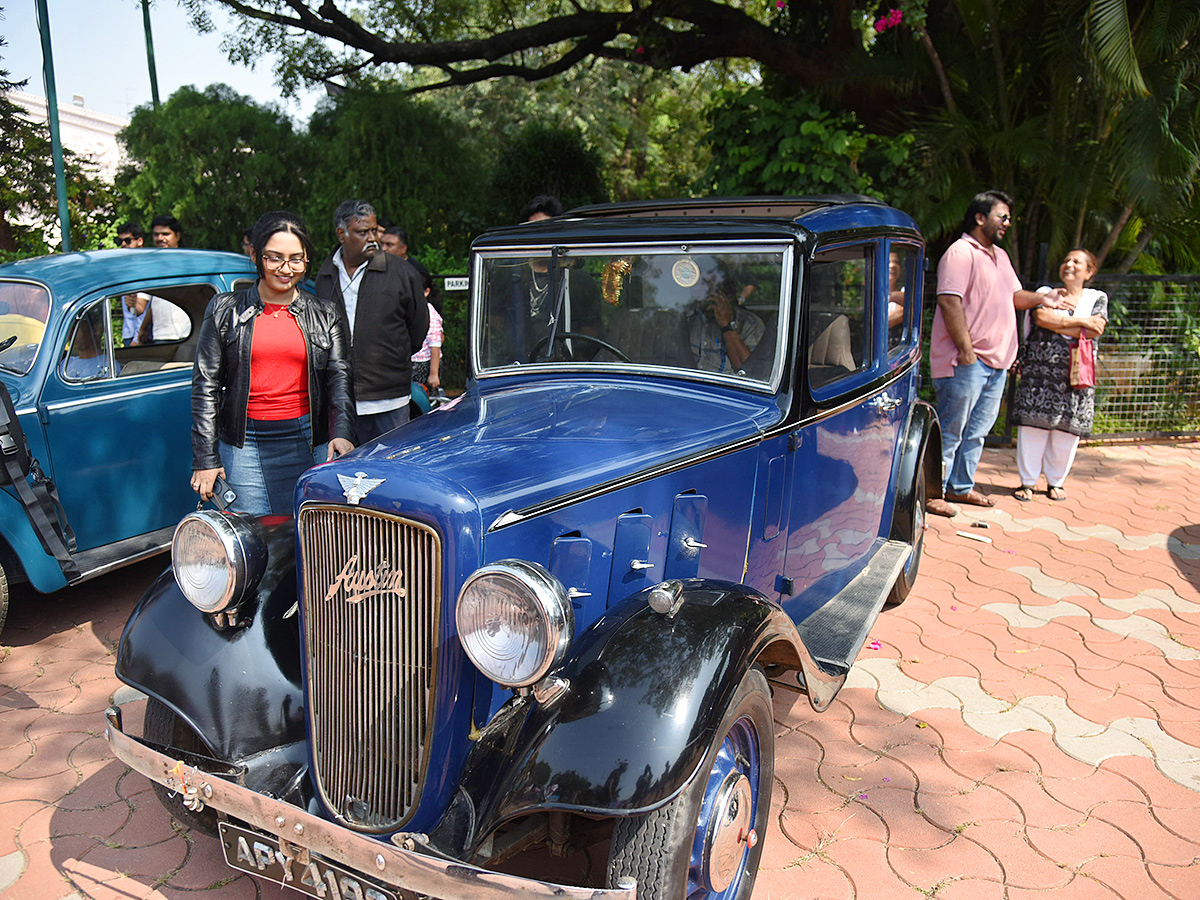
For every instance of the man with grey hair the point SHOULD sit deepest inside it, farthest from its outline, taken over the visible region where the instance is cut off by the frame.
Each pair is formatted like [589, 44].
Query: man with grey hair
[384, 302]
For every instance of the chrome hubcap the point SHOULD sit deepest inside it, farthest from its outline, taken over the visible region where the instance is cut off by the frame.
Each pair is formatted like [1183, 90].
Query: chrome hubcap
[729, 832]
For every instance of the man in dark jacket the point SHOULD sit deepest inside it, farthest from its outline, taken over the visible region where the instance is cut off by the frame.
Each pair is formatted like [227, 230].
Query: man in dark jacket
[384, 302]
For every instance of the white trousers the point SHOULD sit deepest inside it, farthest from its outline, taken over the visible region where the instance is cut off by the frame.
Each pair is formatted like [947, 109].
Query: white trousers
[1045, 450]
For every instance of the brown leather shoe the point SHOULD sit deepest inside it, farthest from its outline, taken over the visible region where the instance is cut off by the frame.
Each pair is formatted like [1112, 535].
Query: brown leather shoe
[938, 507]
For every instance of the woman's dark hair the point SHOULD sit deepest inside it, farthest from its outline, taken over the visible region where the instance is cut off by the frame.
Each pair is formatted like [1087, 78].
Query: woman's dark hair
[983, 204]
[272, 223]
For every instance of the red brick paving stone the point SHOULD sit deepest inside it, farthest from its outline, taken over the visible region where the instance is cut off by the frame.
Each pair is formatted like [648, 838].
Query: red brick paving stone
[950, 732]
[951, 812]
[147, 862]
[923, 869]
[14, 814]
[1129, 878]
[866, 864]
[813, 830]
[1023, 866]
[968, 888]
[803, 875]
[906, 828]
[1076, 843]
[40, 881]
[1039, 808]
[1180, 882]
[1080, 888]
[1158, 844]
[978, 764]
[806, 793]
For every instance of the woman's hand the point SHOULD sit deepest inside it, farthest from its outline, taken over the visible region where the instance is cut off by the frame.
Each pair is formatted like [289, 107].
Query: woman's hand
[338, 447]
[1093, 326]
[203, 481]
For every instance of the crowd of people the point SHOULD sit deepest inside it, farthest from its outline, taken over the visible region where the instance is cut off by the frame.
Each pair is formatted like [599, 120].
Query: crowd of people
[284, 378]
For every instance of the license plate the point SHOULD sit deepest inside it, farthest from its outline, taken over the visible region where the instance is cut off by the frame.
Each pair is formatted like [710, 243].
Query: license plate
[260, 854]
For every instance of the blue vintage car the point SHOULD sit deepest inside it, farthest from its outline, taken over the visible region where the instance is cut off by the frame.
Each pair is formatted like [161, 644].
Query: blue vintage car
[544, 617]
[103, 407]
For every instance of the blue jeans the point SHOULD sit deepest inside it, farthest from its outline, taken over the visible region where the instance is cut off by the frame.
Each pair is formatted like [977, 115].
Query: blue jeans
[967, 405]
[373, 425]
[264, 470]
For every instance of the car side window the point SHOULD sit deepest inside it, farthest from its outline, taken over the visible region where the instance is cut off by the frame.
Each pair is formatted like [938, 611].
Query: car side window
[152, 333]
[902, 276]
[838, 321]
[87, 357]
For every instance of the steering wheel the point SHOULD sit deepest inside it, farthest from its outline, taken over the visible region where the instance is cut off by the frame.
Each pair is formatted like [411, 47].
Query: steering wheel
[576, 336]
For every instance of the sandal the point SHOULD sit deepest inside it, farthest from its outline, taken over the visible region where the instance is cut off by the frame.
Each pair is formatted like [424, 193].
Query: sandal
[1024, 494]
[1056, 492]
[971, 498]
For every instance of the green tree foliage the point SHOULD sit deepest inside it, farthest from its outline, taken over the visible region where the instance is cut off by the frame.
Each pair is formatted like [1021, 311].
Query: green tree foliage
[546, 159]
[1085, 110]
[416, 165]
[763, 144]
[28, 197]
[215, 160]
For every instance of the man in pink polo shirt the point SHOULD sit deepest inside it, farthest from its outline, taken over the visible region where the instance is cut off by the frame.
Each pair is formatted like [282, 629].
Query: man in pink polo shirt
[974, 342]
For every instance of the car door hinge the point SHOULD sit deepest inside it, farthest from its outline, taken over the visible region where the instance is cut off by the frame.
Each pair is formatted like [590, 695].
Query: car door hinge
[795, 439]
[785, 585]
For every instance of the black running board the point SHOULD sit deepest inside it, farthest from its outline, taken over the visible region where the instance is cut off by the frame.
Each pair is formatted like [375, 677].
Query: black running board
[836, 632]
[102, 560]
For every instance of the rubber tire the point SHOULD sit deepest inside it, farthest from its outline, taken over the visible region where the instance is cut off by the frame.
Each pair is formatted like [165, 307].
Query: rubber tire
[3, 597]
[162, 726]
[656, 848]
[916, 527]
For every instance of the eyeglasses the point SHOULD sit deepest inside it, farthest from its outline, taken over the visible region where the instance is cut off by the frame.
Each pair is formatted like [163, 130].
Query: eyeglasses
[123, 241]
[271, 261]
[1005, 219]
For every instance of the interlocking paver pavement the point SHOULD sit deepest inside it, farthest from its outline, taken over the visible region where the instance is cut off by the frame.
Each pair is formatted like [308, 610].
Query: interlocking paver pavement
[1023, 727]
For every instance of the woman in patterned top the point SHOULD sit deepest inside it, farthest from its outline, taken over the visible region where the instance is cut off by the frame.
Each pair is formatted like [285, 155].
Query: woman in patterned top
[1053, 414]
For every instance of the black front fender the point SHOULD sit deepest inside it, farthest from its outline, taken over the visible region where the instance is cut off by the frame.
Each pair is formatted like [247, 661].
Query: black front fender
[646, 694]
[238, 688]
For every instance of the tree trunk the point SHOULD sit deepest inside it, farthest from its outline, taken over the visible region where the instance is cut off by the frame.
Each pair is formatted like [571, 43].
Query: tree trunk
[1113, 235]
[1131, 257]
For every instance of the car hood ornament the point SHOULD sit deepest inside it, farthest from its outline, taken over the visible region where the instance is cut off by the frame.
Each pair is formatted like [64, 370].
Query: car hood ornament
[359, 486]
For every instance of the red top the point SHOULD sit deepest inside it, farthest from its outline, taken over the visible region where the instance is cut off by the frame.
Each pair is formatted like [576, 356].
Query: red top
[278, 367]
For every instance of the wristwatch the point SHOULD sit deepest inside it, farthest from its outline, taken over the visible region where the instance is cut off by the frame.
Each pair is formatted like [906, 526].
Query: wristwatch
[732, 326]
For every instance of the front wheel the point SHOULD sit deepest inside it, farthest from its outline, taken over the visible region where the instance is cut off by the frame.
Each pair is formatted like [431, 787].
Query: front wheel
[705, 844]
[162, 726]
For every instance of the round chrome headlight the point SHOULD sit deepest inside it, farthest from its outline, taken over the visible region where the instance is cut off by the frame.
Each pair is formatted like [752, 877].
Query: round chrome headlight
[515, 621]
[217, 559]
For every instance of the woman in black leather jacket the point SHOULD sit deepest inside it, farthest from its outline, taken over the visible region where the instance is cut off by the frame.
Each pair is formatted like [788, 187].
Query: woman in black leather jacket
[272, 384]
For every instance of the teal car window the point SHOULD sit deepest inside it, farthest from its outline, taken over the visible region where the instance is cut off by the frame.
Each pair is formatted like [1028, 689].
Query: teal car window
[87, 356]
[24, 309]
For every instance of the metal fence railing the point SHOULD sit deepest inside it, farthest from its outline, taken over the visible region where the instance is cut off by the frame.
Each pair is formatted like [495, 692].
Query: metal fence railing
[1149, 362]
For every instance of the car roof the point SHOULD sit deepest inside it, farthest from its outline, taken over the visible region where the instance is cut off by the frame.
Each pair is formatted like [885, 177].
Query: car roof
[791, 208]
[73, 273]
[714, 218]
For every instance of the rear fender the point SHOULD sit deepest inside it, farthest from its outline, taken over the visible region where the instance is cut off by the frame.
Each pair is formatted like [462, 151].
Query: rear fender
[238, 688]
[645, 695]
[922, 440]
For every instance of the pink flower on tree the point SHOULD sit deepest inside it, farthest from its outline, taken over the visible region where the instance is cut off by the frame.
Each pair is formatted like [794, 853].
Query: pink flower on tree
[780, 4]
[891, 20]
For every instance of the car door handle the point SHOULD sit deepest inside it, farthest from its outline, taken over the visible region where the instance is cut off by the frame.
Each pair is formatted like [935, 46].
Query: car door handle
[885, 403]
[639, 565]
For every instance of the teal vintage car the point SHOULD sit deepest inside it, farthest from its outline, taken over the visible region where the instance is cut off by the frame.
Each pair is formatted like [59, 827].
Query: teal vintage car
[97, 362]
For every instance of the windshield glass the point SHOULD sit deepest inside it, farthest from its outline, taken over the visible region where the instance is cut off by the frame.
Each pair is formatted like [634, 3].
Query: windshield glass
[711, 309]
[24, 309]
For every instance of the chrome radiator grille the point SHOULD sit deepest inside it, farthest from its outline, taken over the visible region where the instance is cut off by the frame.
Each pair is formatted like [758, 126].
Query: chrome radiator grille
[372, 599]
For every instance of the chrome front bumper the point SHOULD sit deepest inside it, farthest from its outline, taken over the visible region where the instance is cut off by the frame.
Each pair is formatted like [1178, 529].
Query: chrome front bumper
[379, 861]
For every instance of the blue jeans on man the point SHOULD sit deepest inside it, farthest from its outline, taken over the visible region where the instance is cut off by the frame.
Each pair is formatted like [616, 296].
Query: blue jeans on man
[968, 403]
